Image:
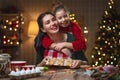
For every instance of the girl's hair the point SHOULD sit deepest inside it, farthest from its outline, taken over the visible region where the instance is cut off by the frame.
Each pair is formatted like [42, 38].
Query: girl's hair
[59, 7]
[38, 39]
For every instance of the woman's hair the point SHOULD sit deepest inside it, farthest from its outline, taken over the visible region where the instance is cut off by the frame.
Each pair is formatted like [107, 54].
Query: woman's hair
[40, 18]
[38, 39]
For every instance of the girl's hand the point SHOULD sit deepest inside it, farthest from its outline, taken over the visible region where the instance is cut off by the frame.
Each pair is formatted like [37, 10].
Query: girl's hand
[59, 46]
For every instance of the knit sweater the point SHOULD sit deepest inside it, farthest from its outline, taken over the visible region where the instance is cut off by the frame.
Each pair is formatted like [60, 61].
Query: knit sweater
[78, 43]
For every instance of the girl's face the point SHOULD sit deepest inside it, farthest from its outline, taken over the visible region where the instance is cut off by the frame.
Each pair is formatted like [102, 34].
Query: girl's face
[63, 18]
[50, 24]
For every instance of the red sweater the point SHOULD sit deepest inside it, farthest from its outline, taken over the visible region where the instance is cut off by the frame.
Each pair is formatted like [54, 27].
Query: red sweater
[78, 44]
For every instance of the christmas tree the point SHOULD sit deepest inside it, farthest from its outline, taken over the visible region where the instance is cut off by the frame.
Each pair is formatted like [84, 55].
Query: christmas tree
[106, 50]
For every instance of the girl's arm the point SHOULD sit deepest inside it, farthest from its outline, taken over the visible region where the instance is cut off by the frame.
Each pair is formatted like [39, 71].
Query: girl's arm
[47, 42]
[62, 45]
[79, 43]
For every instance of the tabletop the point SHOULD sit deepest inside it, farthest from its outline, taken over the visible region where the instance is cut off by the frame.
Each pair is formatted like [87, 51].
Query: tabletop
[61, 73]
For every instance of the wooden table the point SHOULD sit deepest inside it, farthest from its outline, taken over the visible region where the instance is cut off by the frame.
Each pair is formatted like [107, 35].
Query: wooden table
[63, 74]
[58, 73]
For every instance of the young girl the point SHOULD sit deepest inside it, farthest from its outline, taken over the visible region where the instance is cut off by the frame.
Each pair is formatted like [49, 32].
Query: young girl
[66, 25]
[48, 26]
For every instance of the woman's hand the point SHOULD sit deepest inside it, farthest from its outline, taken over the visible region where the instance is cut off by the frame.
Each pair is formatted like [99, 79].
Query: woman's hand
[43, 62]
[76, 64]
[66, 51]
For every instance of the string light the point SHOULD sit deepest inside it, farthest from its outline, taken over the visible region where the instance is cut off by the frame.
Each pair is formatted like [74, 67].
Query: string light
[93, 65]
[99, 53]
[111, 57]
[105, 64]
[104, 54]
[8, 40]
[10, 25]
[85, 30]
[5, 27]
[99, 38]
[15, 29]
[11, 43]
[10, 29]
[106, 12]
[100, 48]
[4, 36]
[115, 59]
[72, 18]
[17, 43]
[22, 23]
[4, 42]
[110, 6]
[96, 63]
[100, 27]
[6, 21]
[113, 27]
[96, 47]
[103, 33]
[111, 46]
[107, 61]
[107, 43]
[104, 21]
[92, 56]
[111, 62]
[99, 58]
[103, 26]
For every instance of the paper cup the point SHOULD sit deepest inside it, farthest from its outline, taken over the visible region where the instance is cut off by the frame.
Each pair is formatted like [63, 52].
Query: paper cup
[28, 66]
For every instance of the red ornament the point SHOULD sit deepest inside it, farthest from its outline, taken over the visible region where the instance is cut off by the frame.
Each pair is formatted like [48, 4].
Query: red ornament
[14, 37]
[14, 24]
[5, 39]
[101, 69]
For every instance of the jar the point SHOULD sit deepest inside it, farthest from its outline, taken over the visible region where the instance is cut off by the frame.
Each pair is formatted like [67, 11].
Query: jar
[4, 64]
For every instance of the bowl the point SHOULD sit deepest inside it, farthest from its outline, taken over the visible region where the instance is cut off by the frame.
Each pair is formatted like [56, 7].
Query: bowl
[16, 65]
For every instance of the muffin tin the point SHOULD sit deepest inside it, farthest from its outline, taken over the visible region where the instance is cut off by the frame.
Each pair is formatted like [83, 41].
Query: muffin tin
[23, 74]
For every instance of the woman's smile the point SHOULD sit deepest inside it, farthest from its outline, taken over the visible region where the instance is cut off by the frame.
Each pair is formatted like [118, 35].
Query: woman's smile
[54, 28]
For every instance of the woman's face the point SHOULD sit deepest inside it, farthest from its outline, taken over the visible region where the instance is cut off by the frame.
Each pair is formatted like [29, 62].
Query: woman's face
[63, 18]
[50, 24]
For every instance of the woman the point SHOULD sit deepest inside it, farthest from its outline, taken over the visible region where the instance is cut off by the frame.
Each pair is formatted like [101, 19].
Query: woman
[48, 26]
[66, 25]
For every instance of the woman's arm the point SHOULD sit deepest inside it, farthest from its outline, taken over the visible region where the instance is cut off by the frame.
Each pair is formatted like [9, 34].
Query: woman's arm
[78, 63]
[43, 62]
[67, 52]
